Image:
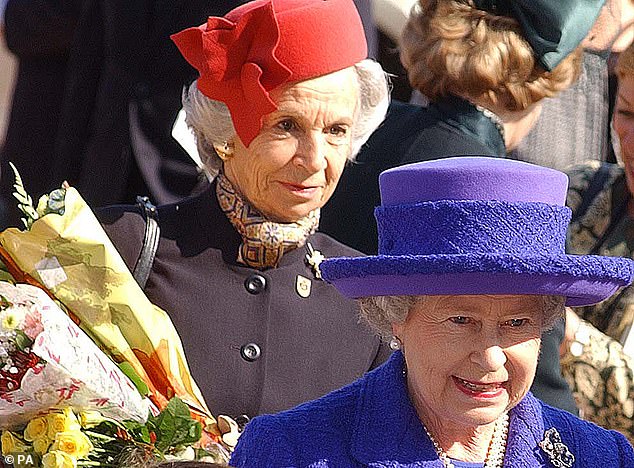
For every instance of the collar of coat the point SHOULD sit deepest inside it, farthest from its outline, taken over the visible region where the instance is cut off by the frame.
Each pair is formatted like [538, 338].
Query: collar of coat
[387, 431]
[465, 117]
[199, 224]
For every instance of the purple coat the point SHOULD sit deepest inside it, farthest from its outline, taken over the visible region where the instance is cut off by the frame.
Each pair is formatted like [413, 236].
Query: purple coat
[372, 423]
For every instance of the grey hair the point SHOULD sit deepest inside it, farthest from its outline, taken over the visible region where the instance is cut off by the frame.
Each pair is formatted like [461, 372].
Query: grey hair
[210, 120]
[380, 312]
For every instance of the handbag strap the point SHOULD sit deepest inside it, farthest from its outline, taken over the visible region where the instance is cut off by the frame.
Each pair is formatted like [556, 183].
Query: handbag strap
[144, 263]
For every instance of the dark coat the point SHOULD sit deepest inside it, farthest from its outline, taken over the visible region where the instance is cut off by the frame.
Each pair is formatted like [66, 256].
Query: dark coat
[39, 33]
[409, 134]
[373, 423]
[123, 93]
[304, 347]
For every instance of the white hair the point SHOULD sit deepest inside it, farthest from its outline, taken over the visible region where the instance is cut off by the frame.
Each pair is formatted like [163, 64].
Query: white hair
[380, 312]
[210, 120]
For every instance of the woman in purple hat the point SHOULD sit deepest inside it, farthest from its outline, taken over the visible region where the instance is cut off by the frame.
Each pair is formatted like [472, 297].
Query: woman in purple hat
[471, 270]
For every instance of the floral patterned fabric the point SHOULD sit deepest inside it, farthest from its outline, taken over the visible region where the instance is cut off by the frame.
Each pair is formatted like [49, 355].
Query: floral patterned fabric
[600, 225]
[600, 374]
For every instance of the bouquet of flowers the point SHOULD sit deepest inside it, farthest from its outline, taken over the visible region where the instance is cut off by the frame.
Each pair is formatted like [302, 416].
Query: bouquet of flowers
[37, 373]
[78, 335]
[69, 438]
[66, 252]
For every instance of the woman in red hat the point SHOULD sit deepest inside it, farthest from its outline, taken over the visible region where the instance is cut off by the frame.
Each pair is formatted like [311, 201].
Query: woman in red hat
[285, 98]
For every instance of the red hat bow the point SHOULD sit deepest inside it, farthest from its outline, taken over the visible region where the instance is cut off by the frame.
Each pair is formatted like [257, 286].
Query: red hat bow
[263, 44]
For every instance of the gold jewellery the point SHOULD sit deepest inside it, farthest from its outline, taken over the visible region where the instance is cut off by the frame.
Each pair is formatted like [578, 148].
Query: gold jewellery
[224, 150]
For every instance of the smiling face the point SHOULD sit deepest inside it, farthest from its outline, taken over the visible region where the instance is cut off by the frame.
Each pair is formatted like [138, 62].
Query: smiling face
[470, 358]
[294, 164]
[624, 125]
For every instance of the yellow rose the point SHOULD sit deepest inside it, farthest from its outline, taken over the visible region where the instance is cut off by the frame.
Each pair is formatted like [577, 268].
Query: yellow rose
[40, 446]
[11, 444]
[74, 443]
[88, 419]
[61, 422]
[35, 429]
[57, 459]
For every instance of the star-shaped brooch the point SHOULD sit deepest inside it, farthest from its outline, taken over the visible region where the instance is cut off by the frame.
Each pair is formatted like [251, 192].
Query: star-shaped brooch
[556, 450]
[314, 259]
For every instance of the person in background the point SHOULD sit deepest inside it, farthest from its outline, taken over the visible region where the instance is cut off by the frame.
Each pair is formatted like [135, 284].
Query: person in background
[39, 33]
[577, 119]
[486, 70]
[121, 97]
[486, 67]
[284, 99]
[471, 270]
[600, 196]
[598, 353]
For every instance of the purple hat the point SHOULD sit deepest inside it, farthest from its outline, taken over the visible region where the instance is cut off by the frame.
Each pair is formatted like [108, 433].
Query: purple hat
[476, 225]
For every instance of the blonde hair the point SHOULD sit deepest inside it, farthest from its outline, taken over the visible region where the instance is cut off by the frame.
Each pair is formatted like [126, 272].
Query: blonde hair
[625, 63]
[451, 47]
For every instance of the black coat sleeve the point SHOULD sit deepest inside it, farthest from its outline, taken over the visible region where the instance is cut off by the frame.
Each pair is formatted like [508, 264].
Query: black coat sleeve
[40, 28]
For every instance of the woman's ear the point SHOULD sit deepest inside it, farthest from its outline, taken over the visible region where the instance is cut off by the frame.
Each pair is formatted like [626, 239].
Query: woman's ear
[397, 329]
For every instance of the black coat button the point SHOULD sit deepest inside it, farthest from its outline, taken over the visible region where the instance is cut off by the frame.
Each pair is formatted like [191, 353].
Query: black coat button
[250, 352]
[255, 284]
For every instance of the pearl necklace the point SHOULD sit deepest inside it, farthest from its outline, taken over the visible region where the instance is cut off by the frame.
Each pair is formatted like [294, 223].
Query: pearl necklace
[493, 117]
[497, 448]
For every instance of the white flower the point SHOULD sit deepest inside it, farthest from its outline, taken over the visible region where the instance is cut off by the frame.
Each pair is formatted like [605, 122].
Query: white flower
[187, 453]
[12, 318]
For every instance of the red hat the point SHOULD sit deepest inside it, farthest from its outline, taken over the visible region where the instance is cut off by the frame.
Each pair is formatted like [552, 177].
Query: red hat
[263, 44]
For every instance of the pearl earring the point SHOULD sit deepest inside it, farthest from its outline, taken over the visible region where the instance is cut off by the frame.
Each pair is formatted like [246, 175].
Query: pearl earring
[395, 343]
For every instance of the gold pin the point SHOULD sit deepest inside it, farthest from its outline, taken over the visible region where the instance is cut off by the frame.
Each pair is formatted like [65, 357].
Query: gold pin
[303, 286]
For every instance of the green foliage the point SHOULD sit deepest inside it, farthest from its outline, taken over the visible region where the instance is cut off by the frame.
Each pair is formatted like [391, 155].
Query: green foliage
[5, 303]
[131, 374]
[22, 341]
[174, 426]
[25, 204]
[54, 202]
[138, 431]
[169, 432]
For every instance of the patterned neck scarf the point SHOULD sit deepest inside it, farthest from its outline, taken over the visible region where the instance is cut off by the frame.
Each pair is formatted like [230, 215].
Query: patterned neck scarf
[263, 241]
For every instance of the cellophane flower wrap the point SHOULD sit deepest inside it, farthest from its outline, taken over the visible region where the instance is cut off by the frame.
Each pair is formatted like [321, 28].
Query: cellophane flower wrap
[70, 254]
[74, 282]
[46, 361]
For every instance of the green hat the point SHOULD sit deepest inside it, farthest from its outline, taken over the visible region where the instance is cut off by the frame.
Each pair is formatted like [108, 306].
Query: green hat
[553, 28]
